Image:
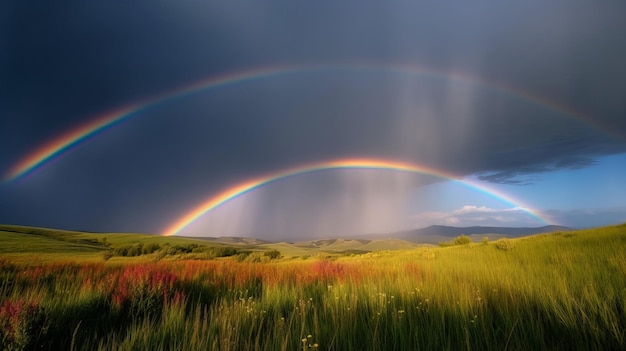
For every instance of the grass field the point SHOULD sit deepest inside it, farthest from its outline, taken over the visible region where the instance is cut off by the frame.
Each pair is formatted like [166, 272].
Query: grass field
[58, 290]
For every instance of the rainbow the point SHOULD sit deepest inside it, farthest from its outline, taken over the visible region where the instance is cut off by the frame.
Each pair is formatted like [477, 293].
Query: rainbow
[68, 140]
[355, 163]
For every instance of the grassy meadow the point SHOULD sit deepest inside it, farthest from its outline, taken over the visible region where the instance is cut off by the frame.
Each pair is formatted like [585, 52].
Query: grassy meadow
[79, 291]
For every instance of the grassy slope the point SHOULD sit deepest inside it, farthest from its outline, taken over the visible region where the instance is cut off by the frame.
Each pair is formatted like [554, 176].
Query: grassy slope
[11, 242]
[550, 291]
[64, 240]
[43, 244]
[19, 241]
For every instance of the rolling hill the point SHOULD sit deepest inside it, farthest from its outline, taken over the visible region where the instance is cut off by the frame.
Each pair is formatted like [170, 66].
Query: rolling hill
[438, 233]
[16, 240]
[346, 245]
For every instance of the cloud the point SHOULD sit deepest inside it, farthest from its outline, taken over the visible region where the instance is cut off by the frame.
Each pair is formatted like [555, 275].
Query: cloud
[471, 215]
[509, 103]
[574, 163]
[530, 174]
[469, 209]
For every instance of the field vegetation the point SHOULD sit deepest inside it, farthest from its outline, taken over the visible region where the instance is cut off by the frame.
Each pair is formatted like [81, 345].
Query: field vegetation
[60, 291]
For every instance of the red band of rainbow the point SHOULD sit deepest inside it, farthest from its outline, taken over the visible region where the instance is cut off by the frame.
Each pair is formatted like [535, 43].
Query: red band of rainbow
[354, 163]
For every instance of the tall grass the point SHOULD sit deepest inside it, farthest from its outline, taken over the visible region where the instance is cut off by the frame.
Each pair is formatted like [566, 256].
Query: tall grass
[558, 291]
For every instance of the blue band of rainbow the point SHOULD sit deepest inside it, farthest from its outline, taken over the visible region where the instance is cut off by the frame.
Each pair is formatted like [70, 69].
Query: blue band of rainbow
[64, 142]
[355, 163]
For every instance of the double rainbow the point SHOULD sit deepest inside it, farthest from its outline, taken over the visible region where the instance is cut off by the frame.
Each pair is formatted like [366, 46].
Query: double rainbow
[68, 140]
[356, 163]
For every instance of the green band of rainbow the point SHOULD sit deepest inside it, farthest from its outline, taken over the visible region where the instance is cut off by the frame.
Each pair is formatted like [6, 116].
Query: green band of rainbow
[355, 163]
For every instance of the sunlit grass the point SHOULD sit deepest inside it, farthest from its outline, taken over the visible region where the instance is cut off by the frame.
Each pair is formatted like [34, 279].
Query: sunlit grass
[553, 291]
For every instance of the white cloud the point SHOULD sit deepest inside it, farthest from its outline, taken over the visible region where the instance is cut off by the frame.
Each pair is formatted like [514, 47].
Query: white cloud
[470, 215]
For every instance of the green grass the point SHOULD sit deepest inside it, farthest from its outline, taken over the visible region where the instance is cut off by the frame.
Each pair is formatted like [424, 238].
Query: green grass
[562, 291]
[59, 243]
[19, 242]
[11, 242]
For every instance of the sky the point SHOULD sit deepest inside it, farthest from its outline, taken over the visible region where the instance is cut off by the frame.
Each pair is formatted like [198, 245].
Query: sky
[293, 119]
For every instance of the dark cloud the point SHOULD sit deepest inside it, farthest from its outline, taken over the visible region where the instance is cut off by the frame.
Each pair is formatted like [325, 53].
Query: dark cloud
[529, 175]
[549, 97]
[574, 163]
[524, 165]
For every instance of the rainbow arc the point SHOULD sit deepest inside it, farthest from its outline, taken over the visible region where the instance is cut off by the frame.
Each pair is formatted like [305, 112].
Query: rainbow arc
[352, 163]
[63, 143]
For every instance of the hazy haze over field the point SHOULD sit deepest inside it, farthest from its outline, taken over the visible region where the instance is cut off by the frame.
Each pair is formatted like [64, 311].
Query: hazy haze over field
[523, 100]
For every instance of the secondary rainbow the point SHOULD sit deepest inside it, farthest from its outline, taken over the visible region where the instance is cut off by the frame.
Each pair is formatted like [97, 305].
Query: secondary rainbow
[68, 140]
[352, 163]
[64, 142]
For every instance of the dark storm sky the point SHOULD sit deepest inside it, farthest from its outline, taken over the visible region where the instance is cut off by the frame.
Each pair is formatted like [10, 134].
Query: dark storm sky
[64, 63]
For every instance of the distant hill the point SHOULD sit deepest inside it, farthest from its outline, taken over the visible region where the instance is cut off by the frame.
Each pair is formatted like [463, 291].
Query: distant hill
[232, 240]
[428, 235]
[61, 244]
[437, 233]
[356, 244]
[21, 239]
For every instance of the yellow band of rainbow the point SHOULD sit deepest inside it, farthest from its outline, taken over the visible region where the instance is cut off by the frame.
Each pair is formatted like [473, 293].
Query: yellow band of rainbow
[64, 142]
[351, 163]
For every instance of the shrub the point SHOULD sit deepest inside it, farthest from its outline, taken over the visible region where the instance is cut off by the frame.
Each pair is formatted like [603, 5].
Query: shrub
[105, 243]
[180, 249]
[272, 254]
[121, 251]
[134, 251]
[201, 249]
[486, 240]
[505, 244]
[107, 255]
[462, 240]
[185, 249]
[150, 248]
[225, 251]
[242, 256]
